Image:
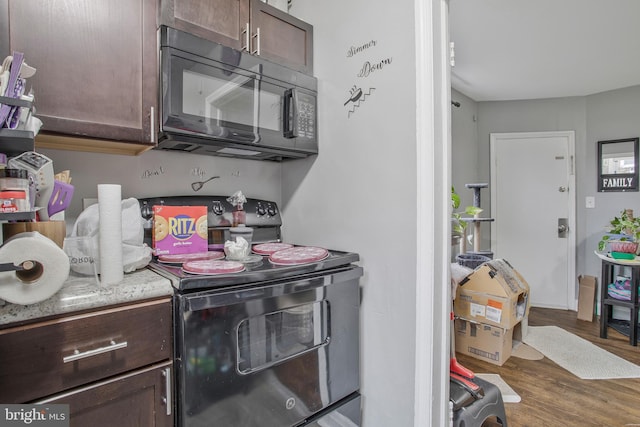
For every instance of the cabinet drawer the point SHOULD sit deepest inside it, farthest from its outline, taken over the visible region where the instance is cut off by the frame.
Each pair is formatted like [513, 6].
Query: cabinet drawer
[48, 357]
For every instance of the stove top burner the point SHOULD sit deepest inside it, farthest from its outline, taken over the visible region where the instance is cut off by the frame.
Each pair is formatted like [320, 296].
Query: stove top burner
[253, 273]
[211, 267]
[298, 255]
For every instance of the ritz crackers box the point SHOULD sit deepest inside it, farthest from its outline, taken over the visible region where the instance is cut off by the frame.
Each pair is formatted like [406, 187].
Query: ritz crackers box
[179, 229]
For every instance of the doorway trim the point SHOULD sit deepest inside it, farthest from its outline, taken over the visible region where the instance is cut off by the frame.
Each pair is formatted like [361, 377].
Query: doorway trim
[433, 163]
[571, 246]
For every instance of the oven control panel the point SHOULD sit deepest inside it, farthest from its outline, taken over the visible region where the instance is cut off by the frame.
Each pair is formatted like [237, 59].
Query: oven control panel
[259, 213]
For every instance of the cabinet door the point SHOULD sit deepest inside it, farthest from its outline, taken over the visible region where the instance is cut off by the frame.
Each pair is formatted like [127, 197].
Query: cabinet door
[222, 21]
[141, 398]
[280, 37]
[96, 65]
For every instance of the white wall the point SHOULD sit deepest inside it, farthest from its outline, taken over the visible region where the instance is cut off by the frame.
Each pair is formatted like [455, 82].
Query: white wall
[361, 192]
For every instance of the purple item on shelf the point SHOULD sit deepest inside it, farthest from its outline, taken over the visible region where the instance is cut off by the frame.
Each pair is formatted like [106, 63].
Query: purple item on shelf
[13, 117]
[60, 197]
[16, 64]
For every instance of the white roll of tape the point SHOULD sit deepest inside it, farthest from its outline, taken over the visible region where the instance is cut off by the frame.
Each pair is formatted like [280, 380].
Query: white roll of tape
[46, 267]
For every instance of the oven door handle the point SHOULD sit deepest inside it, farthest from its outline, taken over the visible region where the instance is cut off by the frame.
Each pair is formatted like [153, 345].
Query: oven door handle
[264, 366]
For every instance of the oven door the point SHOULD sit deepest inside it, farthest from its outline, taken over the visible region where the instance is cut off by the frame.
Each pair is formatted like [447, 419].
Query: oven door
[271, 355]
[211, 100]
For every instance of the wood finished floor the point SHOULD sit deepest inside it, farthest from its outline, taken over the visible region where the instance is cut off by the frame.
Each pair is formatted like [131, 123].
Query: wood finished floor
[552, 396]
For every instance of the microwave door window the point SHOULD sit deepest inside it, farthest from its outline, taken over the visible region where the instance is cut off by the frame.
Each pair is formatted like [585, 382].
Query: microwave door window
[226, 105]
[270, 111]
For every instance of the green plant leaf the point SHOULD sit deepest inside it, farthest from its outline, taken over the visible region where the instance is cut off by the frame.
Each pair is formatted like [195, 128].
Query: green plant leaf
[472, 210]
[455, 199]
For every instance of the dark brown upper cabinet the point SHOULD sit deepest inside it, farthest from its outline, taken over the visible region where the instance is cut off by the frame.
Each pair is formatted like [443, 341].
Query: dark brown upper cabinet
[249, 25]
[96, 75]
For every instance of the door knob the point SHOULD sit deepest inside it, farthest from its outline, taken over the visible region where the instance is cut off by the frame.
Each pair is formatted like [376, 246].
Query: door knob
[563, 227]
[562, 189]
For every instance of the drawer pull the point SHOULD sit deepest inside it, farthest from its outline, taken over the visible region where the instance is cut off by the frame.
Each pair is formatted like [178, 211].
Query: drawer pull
[167, 387]
[77, 355]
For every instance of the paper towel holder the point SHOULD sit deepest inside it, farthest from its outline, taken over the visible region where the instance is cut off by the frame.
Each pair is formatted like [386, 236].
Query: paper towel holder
[27, 271]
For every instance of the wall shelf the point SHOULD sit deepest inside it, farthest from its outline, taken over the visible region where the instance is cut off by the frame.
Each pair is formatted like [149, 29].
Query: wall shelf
[15, 142]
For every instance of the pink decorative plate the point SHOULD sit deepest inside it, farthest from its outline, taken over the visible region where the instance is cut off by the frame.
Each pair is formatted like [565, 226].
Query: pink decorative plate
[269, 248]
[212, 267]
[298, 255]
[180, 258]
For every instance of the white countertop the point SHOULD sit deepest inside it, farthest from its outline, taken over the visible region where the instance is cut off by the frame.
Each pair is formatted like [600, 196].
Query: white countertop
[609, 258]
[82, 293]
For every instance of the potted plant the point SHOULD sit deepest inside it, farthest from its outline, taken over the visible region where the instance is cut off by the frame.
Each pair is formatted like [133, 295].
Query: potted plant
[459, 225]
[623, 234]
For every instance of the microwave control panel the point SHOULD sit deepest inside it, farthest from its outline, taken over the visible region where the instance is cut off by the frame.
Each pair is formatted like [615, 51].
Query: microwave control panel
[306, 111]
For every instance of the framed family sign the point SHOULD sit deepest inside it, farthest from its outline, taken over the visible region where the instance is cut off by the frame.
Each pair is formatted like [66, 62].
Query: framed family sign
[618, 165]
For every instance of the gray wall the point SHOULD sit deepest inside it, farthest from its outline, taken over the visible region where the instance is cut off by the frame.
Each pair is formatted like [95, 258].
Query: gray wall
[603, 116]
[160, 173]
[556, 114]
[464, 147]
[610, 115]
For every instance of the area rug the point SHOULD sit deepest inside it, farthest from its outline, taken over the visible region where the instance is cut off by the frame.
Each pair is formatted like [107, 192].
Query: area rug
[508, 394]
[578, 356]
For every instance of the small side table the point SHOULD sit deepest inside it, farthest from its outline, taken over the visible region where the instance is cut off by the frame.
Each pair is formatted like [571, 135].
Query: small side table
[609, 266]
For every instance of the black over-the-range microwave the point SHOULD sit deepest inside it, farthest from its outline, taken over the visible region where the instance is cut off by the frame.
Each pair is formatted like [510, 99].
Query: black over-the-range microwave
[216, 100]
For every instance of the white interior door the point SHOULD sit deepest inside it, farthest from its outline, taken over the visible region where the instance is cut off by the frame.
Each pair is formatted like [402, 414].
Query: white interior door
[532, 199]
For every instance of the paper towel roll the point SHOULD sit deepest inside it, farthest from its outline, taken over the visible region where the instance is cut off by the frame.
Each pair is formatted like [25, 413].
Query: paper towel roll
[110, 234]
[42, 278]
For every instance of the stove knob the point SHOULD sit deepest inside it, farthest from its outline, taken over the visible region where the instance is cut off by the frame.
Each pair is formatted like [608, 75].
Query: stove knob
[271, 210]
[217, 208]
[146, 211]
[260, 210]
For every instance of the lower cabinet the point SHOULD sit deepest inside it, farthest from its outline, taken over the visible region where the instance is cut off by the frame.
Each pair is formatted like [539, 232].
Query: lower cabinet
[112, 366]
[140, 399]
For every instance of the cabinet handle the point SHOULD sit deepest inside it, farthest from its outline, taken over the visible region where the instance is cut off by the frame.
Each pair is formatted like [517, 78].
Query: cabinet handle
[246, 37]
[152, 125]
[166, 373]
[257, 43]
[77, 355]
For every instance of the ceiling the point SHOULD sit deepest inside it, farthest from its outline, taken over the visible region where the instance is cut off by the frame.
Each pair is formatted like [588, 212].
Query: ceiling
[530, 49]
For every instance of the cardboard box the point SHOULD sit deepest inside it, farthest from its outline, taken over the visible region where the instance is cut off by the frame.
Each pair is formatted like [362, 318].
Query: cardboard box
[490, 343]
[494, 294]
[179, 229]
[587, 297]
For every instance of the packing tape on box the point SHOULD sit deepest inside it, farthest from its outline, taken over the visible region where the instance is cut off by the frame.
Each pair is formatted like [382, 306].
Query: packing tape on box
[46, 267]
